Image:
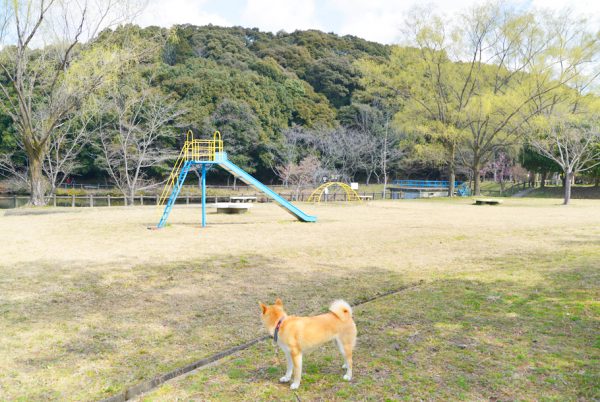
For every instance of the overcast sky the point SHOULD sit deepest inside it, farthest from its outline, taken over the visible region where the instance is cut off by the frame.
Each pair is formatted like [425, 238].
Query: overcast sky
[377, 20]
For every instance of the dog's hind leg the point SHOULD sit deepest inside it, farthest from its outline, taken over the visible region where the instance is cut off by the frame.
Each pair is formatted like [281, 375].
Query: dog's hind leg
[348, 354]
[346, 344]
[297, 360]
[341, 348]
[290, 366]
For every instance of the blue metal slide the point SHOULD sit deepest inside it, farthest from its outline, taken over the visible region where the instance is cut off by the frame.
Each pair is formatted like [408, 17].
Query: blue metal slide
[251, 181]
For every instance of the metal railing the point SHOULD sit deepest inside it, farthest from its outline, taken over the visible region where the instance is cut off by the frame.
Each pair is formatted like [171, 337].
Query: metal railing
[202, 150]
[424, 183]
[193, 150]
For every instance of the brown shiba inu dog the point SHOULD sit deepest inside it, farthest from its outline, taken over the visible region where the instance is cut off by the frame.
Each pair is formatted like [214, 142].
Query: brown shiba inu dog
[297, 334]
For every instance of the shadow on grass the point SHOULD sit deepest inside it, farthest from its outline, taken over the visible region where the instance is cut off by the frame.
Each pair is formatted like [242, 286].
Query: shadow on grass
[61, 324]
[87, 332]
[450, 339]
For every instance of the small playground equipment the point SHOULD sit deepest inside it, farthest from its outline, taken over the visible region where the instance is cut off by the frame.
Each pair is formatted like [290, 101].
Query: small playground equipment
[428, 188]
[206, 153]
[463, 190]
[317, 195]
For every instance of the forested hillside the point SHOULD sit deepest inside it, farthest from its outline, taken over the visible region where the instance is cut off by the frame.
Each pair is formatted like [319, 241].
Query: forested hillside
[294, 107]
[248, 84]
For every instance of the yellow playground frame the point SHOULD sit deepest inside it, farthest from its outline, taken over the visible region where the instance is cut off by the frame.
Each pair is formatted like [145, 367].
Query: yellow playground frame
[192, 150]
[317, 195]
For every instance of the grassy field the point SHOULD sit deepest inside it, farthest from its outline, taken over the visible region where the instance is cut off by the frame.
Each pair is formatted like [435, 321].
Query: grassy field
[92, 302]
[577, 192]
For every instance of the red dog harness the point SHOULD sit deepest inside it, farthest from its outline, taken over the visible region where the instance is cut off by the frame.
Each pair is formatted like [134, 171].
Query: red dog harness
[275, 335]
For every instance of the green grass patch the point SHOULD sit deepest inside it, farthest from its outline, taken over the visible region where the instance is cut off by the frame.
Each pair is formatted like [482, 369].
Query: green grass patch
[466, 337]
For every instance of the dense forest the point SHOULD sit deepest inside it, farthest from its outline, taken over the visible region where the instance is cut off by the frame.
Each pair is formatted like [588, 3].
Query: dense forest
[294, 107]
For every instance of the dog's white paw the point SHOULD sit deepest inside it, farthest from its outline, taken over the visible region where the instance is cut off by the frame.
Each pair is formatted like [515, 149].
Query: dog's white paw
[347, 377]
[284, 379]
[295, 385]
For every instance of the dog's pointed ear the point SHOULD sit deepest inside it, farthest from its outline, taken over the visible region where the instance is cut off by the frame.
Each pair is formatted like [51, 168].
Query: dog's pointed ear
[278, 302]
[262, 307]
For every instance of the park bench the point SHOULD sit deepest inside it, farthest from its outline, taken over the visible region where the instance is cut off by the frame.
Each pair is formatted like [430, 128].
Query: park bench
[365, 197]
[242, 199]
[232, 208]
[487, 201]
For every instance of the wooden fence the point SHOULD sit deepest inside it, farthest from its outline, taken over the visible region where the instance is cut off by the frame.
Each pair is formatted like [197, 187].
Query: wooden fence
[94, 201]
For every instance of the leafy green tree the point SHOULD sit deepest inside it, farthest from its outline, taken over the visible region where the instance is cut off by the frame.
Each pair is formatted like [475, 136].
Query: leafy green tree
[472, 87]
[594, 169]
[241, 132]
[535, 162]
[334, 77]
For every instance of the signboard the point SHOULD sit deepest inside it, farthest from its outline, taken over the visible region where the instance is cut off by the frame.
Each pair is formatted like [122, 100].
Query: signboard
[354, 186]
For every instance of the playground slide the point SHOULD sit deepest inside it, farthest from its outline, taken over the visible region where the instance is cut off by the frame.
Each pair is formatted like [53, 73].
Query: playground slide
[251, 181]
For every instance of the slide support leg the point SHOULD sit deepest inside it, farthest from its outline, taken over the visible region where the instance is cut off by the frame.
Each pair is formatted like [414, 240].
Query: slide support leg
[203, 195]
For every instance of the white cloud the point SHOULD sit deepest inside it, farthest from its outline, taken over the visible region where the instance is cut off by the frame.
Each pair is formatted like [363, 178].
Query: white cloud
[167, 13]
[276, 15]
[376, 20]
[382, 20]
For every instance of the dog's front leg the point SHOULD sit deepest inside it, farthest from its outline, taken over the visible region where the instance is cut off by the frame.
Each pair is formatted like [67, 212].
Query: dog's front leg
[290, 366]
[297, 360]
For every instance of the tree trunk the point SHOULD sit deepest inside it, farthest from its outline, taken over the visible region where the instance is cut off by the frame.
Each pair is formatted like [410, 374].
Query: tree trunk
[532, 179]
[451, 170]
[476, 181]
[385, 181]
[37, 179]
[130, 198]
[568, 179]
[543, 182]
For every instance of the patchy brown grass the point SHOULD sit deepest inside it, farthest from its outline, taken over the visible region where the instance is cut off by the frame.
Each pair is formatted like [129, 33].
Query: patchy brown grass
[513, 336]
[92, 301]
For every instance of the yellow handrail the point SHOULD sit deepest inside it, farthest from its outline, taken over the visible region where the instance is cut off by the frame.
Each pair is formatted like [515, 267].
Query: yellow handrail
[193, 150]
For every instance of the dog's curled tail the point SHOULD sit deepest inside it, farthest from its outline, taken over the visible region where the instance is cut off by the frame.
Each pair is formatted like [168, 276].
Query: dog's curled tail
[341, 309]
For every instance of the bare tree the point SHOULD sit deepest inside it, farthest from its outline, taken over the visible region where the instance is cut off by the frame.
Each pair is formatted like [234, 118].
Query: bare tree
[572, 145]
[342, 150]
[66, 143]
[288, 152]
[389, 149]
[46, 70]
[501, 168]
[11, 169]
[134, 140]
[301, 174]
[380, 141]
